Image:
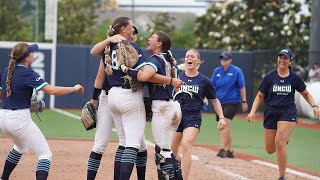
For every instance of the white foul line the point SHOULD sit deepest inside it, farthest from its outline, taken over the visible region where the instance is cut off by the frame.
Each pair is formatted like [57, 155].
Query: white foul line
[114, 130]
[288, 170]
[228, 173]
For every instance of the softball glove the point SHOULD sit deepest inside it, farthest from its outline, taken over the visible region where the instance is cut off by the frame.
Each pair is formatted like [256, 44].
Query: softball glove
[88, 116]
[36, 105]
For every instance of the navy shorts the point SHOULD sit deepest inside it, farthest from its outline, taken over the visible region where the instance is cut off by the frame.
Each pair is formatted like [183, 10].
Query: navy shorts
[189, 120]
[273, 115]
[229, 110]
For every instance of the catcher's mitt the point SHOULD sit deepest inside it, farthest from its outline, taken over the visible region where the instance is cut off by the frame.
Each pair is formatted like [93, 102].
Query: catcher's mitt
[36, 105]
[183, 97]
[88, 116]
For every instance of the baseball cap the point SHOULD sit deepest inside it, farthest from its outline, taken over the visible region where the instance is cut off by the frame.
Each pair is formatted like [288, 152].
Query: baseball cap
[287, 52]
[31, 48]
[135, 30]
[225, 55]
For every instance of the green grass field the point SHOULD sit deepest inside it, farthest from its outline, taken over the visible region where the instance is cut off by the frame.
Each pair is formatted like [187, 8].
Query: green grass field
[247, 138]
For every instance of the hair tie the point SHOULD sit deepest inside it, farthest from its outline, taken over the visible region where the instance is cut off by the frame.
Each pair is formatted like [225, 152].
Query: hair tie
[13, 57]
[110, 27]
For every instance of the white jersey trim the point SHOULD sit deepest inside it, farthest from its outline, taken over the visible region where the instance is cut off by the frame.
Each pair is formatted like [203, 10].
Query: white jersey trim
[41, 86]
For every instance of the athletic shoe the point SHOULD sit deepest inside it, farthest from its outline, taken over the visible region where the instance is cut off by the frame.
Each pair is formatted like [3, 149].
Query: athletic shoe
[229, 154]
[282, 178]
[221, 153]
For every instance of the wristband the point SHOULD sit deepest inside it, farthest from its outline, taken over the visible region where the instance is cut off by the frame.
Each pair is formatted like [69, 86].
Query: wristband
[171, 81]
[315, 106]
[96, 93]
[133, 73]
[243, 101]
[123, 68]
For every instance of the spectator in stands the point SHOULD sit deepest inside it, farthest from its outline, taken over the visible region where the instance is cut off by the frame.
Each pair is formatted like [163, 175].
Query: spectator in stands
[314, 72]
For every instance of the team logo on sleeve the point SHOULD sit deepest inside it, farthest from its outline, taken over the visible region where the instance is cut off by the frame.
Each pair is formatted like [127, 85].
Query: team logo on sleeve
[38, 79]
[283, 89]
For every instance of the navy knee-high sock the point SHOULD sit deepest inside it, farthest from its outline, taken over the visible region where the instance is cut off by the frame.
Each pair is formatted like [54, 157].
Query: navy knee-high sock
[141, 165]
[11, 162]
[43, 169]
[93, 165]
[169, 168]
[129, 158]
[117, 162]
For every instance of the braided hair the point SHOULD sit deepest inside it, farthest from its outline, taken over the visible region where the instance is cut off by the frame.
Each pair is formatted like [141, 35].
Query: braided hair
[17, 52]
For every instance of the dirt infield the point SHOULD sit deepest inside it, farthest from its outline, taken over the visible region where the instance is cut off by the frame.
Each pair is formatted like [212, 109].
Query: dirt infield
[70, 162]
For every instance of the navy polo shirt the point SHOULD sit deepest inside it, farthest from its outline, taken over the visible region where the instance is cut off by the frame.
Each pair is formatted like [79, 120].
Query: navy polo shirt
[228, 83]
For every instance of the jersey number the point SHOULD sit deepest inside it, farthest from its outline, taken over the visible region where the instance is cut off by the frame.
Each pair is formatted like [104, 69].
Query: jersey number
[114, 64]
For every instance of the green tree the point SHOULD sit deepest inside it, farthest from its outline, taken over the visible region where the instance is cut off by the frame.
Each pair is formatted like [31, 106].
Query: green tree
[181, 37]
[15, 24]
[76, 21]
[253, 25]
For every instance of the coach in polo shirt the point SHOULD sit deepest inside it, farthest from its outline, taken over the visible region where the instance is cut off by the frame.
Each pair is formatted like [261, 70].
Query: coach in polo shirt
[229, 82]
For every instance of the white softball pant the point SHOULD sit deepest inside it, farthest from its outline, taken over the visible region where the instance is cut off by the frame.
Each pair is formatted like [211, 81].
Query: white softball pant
[129, 115]
[24, 133]
[104, 125]
[165, 121]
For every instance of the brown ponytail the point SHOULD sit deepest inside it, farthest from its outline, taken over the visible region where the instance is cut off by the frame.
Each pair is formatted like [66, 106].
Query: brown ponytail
[117, 23]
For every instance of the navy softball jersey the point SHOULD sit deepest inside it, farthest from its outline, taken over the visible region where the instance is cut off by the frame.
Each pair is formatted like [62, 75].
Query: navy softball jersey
[278, 91]
[23, 81]
[160, 92]
[228, 83]
[116, 79]
[200, 86]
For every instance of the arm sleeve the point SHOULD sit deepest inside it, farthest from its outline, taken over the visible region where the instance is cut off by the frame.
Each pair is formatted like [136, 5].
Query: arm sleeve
[210, 92]
[264, 85]
[240, 80]
[154, 62]
[35, 81]
[142, 60]
[212, 77]
[301, 86]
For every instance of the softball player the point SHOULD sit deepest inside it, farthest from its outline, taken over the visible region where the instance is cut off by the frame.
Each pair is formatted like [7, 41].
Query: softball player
[200, 87]
[127, 108]
[98, 49]
[277, 89]
[17, 82]
[166, 112]
[105, 124]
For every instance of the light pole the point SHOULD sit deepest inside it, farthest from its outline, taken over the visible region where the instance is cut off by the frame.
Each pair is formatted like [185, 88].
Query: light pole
[314, 47]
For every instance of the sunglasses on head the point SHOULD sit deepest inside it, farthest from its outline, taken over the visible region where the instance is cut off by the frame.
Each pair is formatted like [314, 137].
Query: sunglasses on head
[224, 59]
